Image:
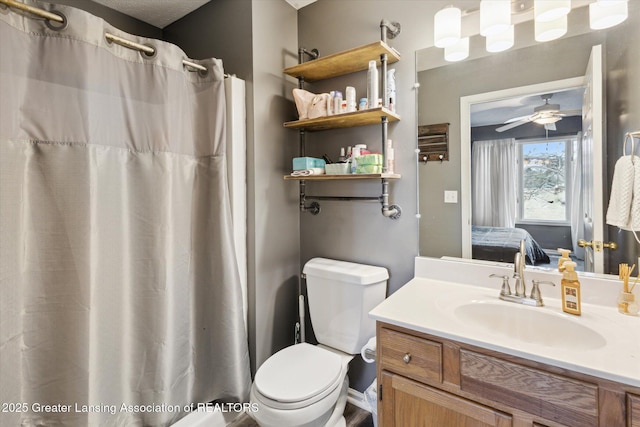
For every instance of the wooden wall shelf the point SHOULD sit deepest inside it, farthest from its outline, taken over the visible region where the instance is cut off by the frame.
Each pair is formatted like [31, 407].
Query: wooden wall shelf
[346, 62]
[348, 177]
[433, 142]
[357, 118]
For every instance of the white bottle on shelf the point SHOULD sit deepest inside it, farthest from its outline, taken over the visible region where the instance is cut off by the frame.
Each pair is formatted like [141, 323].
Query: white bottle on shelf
[391, 163]
[391, 89]
[372, 85]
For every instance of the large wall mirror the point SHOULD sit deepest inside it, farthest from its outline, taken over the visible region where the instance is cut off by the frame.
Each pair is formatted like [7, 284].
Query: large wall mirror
[519, 173]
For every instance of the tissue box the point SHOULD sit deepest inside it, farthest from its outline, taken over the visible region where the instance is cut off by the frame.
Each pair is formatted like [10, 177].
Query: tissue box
[302, 163]
[338, 168]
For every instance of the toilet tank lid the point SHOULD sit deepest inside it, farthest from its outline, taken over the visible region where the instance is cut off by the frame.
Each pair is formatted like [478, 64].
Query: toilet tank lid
[344, 271]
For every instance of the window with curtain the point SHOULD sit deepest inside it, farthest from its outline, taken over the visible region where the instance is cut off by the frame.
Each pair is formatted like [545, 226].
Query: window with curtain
[544, 176]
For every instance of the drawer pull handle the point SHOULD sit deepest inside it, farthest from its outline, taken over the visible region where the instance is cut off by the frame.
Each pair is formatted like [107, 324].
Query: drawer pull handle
[407, 358]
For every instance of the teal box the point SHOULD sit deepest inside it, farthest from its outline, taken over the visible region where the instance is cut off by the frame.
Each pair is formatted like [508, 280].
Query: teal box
[302, 163]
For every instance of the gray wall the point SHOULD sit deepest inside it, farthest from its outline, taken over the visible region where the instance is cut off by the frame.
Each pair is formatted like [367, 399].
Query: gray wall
[256, 39]
[356, 231]
[623, 104]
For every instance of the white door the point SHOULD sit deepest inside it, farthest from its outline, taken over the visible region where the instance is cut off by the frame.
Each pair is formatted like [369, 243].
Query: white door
[592, 163]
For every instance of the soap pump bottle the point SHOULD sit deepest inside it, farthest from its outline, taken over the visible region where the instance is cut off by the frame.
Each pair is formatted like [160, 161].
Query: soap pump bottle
[570, 289]
[564, 257]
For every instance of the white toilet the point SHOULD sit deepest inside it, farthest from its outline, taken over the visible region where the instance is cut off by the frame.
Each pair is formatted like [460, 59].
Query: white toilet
[305, 385]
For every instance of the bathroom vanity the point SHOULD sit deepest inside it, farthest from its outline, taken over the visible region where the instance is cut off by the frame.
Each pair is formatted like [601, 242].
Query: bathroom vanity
[450, 353]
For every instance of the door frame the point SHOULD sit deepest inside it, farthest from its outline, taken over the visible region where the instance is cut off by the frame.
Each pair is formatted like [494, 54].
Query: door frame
[465, 139]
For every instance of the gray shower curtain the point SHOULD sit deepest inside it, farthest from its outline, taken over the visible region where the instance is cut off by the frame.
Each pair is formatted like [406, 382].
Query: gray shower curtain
[120, 301]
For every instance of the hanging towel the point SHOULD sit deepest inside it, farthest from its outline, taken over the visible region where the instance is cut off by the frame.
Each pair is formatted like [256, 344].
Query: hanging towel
[307, 172]
[624, 203]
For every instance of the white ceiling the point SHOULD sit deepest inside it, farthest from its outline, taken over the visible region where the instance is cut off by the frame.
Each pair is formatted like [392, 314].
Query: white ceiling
[161, 13]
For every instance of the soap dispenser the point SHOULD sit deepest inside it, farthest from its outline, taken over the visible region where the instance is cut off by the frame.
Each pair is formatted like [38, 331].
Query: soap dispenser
[564, 257]
[570, 289]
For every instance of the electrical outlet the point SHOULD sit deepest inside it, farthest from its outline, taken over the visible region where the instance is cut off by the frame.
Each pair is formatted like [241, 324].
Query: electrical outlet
[451, 196]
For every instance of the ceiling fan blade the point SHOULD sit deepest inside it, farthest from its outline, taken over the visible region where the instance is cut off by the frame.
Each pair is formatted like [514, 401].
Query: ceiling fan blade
[512, 125]
[566, 113]
[550, 126]
[515, 119]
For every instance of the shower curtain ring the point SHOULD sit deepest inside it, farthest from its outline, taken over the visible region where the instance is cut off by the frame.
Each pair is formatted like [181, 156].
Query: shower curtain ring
[54, 25]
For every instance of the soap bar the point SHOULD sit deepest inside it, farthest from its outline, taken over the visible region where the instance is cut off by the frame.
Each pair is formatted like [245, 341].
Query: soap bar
[302, 163]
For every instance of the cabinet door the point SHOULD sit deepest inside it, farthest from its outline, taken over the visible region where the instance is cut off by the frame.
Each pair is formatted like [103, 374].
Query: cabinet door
[407, 403]
[633, 409]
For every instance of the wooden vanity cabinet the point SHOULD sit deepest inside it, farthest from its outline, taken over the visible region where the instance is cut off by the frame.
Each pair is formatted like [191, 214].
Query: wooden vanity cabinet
[426, 381]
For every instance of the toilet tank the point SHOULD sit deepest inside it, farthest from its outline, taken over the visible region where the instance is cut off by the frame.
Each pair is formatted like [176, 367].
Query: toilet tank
[340, 296]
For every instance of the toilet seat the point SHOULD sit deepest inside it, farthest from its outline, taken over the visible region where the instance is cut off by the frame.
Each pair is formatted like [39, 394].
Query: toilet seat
[298, 376]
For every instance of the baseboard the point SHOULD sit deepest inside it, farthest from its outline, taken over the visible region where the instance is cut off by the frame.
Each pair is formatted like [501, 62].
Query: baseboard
[356, 398]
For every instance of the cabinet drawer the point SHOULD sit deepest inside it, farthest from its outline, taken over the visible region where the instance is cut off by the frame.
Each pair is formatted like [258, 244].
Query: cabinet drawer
[563, 400]
[407, 355]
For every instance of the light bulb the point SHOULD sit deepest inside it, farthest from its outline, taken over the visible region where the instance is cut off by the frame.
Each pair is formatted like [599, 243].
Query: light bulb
[551, 30]
[457, 51]
[502, 41]
[550, 10]
[495, 16]
[447, 26]
[607, 13]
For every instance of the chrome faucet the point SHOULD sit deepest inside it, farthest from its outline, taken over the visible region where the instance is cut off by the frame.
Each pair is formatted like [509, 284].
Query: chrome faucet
[520, 296]
[519, 262]
[535, 299]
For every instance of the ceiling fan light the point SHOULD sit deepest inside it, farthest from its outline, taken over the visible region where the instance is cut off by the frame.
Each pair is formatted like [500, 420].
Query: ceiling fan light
[502, 41]
[495, 16]
[447, 26]
[551, 30]
[546, 120]
[607, 13]
[458, 51]
[550, 10]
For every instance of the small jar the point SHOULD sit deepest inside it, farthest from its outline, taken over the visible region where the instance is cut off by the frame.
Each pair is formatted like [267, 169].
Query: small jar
[627, 303]
[363, 104]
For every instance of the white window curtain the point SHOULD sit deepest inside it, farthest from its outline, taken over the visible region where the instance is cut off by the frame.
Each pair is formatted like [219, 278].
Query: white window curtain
[494, 183]
[118, 279]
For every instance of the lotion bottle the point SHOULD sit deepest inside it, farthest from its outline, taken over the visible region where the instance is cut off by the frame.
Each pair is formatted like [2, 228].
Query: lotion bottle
[570, 287]
[372, 85]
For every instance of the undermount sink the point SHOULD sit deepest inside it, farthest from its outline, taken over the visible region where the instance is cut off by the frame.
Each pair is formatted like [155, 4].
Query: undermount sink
[530, 325]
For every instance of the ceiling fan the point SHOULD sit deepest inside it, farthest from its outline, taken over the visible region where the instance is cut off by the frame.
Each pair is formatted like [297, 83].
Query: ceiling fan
[546, 114]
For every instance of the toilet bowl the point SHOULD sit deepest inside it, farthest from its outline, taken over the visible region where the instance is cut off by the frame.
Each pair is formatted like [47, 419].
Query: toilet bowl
[306, 385]
[303, 386]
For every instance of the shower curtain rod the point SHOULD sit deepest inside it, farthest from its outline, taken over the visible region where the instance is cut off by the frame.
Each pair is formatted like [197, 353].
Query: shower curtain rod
[61, 19]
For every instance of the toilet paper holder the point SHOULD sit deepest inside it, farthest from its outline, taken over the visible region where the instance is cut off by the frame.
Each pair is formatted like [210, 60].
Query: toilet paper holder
[370, 353]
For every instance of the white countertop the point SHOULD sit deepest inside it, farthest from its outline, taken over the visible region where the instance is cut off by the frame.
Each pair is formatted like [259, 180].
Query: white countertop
[430, 305]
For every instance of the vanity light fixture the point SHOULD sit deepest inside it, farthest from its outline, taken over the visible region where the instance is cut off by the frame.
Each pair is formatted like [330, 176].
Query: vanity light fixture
[495, 17]
[550, 10]
[550, 30]
[607, 13]
[447, 26]
[457, 51]
[501, 41]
